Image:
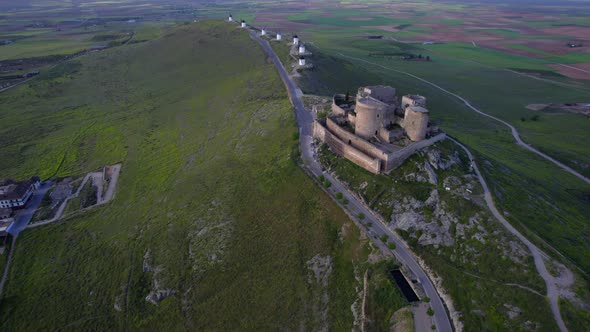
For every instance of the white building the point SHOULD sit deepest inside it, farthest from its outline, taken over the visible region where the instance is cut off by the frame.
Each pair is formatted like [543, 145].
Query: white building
[16, 194]
[295, 40]
[263, 32]
[279, 36]
[301, 48]
[301, 61]
[230, 19]
[243, 25]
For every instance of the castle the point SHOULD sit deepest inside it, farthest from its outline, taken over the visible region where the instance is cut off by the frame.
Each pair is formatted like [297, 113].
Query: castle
[375, 130]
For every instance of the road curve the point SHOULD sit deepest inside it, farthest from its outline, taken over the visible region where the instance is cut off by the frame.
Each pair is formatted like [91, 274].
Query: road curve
[355, 206]
[515, 133]
[538, 255]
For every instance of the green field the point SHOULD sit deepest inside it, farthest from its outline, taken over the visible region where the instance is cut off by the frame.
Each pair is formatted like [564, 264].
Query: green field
[211, 206]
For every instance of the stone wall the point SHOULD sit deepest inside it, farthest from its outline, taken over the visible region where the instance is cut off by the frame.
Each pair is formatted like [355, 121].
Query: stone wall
[357, 142]
[398, 157]
[335, 108]
[345, 150]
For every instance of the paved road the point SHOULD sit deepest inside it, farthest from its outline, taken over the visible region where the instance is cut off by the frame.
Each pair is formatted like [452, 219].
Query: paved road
[515, 133]
[24, 216]
[538, 255]
[355, 206]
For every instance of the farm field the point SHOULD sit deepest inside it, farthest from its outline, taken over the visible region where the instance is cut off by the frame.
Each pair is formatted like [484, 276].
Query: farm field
[538, 197]
[214, 225]
[78, 116]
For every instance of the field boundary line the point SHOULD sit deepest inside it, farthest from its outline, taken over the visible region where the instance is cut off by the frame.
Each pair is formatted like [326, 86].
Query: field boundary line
[515, 133]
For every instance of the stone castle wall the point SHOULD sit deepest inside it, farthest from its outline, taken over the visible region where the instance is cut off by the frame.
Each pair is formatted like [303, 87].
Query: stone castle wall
[357, 142]
[335, 108]
[398, 157]
[341, 148]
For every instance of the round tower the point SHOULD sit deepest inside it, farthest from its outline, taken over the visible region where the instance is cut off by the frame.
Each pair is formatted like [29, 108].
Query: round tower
[295, 40]
[370, 115]
[416, 122]
[413, 100]
[263, 32]
[279, 36]
[231, 18]
[243, 25]
[301, 48]
[302, 61]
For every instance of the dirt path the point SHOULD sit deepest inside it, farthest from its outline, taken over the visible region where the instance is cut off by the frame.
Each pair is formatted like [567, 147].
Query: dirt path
[7, 267]
[101, 199]
[515, 133]
[575, 68]
[538, 255]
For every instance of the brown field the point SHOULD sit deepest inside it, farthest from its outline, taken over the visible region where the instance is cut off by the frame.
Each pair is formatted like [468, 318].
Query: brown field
[574, 70]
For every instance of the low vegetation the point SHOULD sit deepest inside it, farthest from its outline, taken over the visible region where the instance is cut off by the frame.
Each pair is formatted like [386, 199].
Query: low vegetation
[214, 226]
[475, 257]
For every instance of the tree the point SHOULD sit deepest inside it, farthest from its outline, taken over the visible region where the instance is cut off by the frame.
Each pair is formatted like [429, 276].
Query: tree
[361, 216]
[339, 196]
[428, 58]
[430, 312]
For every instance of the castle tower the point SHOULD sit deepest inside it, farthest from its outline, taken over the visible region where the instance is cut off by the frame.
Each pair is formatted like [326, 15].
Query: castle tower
[302, 61]
[301, 48]
[413, 100]
[416, 122]
[263, 32]
[375, 106]
[279, 36]
[295, 40]
[231, 18]
[243, 25]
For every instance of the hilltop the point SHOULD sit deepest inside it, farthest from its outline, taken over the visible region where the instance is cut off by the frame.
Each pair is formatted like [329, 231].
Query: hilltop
[214, 226]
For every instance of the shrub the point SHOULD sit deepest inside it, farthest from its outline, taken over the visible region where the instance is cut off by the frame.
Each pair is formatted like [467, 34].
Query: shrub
[339, 195]
[430, 312]
[345, 201]
[391, 246]
[327, 184]
[361, 216]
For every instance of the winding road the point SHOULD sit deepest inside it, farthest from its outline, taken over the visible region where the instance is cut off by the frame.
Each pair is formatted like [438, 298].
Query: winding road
[538, 255]
[515, 133]
[355, 207]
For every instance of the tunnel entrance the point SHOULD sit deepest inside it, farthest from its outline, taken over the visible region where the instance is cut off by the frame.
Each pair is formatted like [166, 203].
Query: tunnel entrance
[404, 286]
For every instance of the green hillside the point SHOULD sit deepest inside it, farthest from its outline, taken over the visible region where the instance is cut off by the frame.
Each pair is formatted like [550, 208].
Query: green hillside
[212, 215]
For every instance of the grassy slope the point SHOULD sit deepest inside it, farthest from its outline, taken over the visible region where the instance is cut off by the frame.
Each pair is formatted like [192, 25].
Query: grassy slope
[210, 203]
[473, 273]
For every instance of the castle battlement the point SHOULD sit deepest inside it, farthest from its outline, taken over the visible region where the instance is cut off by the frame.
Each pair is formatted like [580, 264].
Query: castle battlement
[375, 130]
